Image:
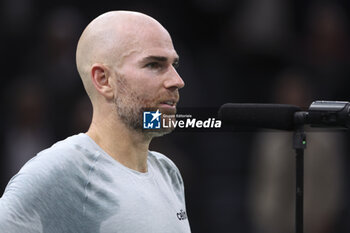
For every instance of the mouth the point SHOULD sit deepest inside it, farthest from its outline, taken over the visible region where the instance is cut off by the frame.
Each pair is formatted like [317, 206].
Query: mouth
[168, 104]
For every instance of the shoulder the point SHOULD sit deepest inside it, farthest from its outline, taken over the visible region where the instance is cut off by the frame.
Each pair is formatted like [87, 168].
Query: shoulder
[69, 149]
[65, 155]
[47, 182]
[166, 166]
[162, 160]
[63, 166]
[169, 173]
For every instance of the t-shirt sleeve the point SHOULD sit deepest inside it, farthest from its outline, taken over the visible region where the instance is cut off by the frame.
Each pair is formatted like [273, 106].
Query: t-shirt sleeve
[45, 196]
[18, 212]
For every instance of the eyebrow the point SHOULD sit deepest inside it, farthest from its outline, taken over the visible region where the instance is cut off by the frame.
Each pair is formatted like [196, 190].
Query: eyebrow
[159, 58]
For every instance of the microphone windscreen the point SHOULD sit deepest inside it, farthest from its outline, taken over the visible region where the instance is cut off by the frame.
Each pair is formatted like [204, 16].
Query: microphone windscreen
[249, 115]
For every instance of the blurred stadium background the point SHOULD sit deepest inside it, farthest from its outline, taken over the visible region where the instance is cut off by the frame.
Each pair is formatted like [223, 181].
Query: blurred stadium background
[230, 51]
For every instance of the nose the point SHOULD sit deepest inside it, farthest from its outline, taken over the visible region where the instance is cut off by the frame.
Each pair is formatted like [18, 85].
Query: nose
[173, 79]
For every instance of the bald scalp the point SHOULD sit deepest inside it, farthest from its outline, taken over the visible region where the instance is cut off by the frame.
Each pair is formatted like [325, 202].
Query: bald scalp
[107, 40]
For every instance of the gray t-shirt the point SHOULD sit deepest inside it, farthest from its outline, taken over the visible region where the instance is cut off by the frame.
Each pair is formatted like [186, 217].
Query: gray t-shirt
[75, 186]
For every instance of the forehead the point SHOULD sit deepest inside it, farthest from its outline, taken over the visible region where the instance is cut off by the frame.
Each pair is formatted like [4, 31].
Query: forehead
[149, 42]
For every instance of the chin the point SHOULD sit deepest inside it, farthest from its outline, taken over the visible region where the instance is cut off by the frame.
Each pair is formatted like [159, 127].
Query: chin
[157, 133]
[168, 111]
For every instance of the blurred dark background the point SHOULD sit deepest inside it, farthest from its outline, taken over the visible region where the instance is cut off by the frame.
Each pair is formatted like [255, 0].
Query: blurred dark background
[230, 51]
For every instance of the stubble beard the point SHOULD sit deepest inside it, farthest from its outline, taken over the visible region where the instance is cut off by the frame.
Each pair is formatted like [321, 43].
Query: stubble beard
[130, 107]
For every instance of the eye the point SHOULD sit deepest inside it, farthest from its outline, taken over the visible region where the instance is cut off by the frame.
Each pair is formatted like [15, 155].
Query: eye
[153, 65]
[176, 64]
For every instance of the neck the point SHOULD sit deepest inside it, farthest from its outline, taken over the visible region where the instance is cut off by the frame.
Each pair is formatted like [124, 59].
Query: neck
[125, 145]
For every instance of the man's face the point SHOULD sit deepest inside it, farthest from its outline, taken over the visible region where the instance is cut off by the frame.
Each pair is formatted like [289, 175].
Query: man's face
[147, 79]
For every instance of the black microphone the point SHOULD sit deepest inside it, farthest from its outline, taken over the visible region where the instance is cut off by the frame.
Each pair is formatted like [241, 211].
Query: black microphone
[250, 116]
[326, 114]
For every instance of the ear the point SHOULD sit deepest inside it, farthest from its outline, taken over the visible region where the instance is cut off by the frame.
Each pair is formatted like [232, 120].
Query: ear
[101, 79]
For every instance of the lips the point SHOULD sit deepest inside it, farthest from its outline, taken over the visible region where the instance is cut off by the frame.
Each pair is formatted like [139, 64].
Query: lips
[171, 103]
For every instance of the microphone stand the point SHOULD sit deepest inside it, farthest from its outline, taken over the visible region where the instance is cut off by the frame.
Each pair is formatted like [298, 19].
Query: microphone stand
[299, 144]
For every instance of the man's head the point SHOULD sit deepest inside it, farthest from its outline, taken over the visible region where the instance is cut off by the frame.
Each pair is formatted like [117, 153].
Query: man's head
[126, 61]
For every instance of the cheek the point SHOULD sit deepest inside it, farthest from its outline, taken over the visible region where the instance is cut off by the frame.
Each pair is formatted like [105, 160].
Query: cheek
[142, 88]
[146, 99]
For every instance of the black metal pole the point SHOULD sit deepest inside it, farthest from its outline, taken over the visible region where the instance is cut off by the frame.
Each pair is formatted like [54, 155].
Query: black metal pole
[299, 210]
[299, 144]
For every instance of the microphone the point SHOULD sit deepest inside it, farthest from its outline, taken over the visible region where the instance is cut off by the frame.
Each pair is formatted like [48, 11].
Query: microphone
[326, 114]
[320, 114]
[269, 116]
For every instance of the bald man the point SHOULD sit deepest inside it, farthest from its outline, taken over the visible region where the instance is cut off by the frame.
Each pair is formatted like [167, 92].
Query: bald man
[106, 180]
